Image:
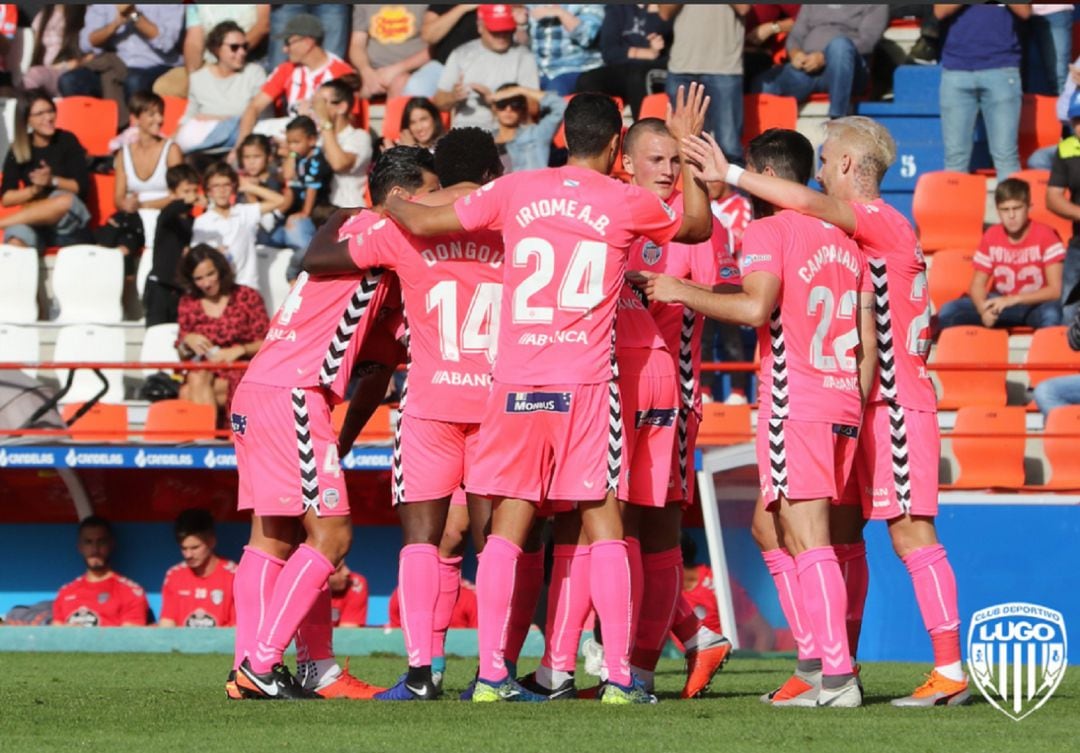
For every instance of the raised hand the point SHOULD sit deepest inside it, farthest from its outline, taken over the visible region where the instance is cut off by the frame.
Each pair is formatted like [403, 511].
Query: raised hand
[688, 116]
[707, 159]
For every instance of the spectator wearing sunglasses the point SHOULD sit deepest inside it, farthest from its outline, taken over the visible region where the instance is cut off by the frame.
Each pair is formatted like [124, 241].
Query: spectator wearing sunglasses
[219, 92]
[524, 145]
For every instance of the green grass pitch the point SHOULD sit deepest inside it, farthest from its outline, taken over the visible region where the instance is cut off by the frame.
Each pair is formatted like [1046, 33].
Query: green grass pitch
[161, 702]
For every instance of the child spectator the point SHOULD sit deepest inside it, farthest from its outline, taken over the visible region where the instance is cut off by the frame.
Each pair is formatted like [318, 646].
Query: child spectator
[257, 163]
[198, 592]
[348, 597]
[231, 228]
[172, 238]
[100, 597]
[309, 175]
[1018, 269]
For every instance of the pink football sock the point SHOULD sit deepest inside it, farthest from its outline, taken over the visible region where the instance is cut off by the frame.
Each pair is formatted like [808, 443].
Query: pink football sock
[528, 582]
[297, 588]
[315, 636]
[568, 606]
[253, 585]
[418, 590]
[494, 589]
[449, 587]
[935, 591]
[825, 599]
[782, 568]
[637, 582]
[662, 586]
[856, 573]
[609, 586]
[686, 623]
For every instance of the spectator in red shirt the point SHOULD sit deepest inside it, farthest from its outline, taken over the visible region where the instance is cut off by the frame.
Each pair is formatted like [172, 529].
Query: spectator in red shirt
[295, 81]
[100, 597]
[348, 597]
[1018, 269]
[198, 592]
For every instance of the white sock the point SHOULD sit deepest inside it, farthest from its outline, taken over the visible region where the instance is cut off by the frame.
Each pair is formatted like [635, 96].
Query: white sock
[954, 671]
[551, 678]
[647, 676]
[703, 638]
[321, 673]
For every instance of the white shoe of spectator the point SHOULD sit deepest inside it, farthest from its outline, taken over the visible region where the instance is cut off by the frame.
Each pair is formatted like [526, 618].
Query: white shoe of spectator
[735, 398]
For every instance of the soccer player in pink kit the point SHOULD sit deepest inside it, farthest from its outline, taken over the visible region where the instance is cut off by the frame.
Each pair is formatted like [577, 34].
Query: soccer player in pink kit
[805, 287]
[287, 458]
[552, 428]
[651, 157]
[900, 428]
[451, 289]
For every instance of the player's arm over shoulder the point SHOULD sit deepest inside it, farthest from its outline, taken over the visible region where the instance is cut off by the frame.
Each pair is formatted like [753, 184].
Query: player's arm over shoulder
[328, 252]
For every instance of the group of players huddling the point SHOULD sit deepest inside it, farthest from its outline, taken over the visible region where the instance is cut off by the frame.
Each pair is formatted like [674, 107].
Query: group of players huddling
[550, 322]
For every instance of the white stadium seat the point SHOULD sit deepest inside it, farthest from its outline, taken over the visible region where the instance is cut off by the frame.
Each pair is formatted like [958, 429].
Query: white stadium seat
[272, 263]
[18, 284]
[88, 283]
[159, 345]
[20, 344]
[146, 263]
[91, 342]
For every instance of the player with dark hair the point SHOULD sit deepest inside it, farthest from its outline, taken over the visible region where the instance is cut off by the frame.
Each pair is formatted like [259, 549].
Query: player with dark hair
[451, 288]
[805, 286]
[551, 432]
[198, 592]
[100, 597]
[287, 457]
[899, 433]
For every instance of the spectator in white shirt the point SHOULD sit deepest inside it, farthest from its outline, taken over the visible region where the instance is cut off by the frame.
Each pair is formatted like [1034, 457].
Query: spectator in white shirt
[347, 150]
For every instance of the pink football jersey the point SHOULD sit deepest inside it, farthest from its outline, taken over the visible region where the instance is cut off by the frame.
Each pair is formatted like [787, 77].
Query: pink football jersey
[567, 232]
[634, 325]
[707, 263]
[452, 291]
[317, 332]
[808, 364]
[1019, 267]
[901, 305]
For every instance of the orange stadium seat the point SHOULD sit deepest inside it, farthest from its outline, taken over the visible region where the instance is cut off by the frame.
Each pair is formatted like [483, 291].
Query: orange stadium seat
[92, 120]
[989, 460]
[179, 421]
[725, 424]
[560, 136]
[949, 276]
[974, 345]
[948, 209]
[764, 111]
[104, 422]
[1061, 451]
[1038, 180]
[361, 114]
[102, 203]
[395, 108]
[377, 429]
[174, 110]
[654, 106]
[1051, 345]
[1039, 124]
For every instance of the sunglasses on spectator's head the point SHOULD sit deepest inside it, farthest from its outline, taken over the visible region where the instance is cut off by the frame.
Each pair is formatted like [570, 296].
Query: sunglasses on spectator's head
[513, 103]
[238, 46]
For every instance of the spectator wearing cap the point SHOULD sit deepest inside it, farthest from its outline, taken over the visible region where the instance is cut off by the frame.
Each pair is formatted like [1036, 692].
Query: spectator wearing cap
[1063, 199]
[295, 81]
[484, 65]
[334, 18]
[146, 38]
[386, 47]
[444, 29]
[980, 73]
[829, 50]
[565, 41]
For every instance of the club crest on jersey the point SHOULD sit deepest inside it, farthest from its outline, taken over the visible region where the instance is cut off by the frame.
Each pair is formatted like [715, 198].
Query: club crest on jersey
[330, 498]
[538, 402]
[1017, 656]
[655, 417]
[217, 596]
[651, 253]
[239, 423]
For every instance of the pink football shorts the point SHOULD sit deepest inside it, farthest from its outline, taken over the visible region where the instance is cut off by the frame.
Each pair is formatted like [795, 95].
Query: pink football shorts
[559, 443]
[286, 452]
[682, 460]
[430, 458]
[883, 481]
[803, 460]
[650, 401]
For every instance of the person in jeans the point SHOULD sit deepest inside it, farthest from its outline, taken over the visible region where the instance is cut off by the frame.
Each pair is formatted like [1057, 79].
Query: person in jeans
[828, 51]
[980, 61]
[1063, 390]
[708, 48]
[1063, 199]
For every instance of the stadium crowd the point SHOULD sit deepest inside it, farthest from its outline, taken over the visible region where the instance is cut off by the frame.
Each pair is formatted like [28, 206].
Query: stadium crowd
[274, 141]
